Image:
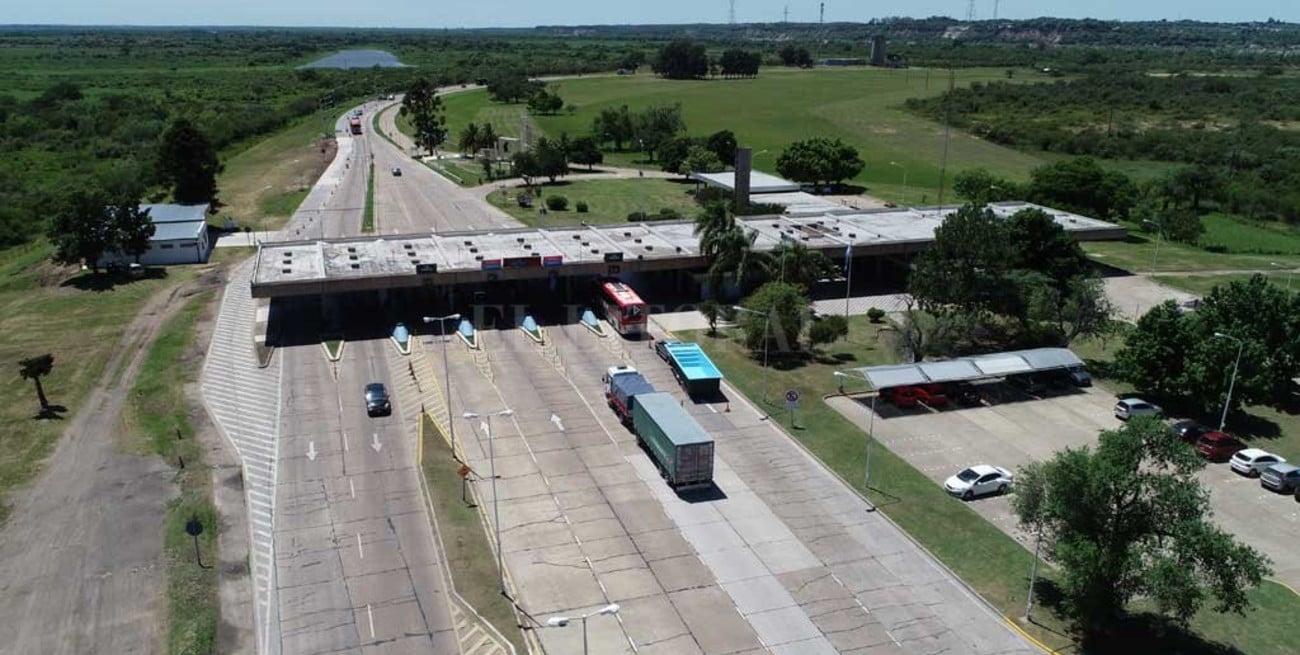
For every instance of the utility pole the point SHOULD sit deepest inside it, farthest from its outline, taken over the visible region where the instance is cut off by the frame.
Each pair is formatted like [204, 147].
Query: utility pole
[731, 14]
[786, 18]
[947, 135]
[821, 15]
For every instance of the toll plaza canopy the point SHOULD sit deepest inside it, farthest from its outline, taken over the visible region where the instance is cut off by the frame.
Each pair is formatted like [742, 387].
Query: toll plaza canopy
[967, 369]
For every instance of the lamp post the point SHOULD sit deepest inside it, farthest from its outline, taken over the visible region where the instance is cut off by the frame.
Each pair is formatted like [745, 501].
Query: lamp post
[767, 320]
[894, 163]
[446, 376]
[563, 621]
[871, 426]
[1289, 271]
[1223, 420]
[496, 513]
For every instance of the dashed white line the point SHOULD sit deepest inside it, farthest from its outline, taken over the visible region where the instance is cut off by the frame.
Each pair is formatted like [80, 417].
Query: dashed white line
[361, 552]
[352, 488]
[371, 615]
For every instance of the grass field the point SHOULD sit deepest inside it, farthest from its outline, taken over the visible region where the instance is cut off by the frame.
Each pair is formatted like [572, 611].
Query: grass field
[263, 184]
[608, 201]
[157, 413]
[780, 106]
[1135, 254]
[469, 555]
[368, 218]
[986, 558]
[48, 309]
[1242, 236]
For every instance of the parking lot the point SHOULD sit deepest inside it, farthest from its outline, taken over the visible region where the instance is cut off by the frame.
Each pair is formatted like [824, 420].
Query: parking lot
[1017, 428]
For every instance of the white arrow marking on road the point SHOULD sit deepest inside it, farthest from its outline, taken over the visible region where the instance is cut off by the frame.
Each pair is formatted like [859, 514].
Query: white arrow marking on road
[375, 444]
[483, 427]
[311, 450]
[556, 420]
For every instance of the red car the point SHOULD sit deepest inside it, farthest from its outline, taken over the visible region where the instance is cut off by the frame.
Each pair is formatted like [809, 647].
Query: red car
[932, 395]
[1218, 445]
[929, 394]
[901, 396]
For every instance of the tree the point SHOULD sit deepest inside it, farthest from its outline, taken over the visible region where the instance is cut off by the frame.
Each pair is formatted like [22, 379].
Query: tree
[1079, 308]
[1192, 184]
[34, 368]
[512, 86]
[723, 144]
[552, 157]
[469, 139]
[776, 317]
[631, 60]
[739, 63]
[965, 267]
[1082, 185]
[187, 162]
[827, 330]
[796, 264]
[82, 229]
[700, 160]
[1267, 319]
[681, 60]
[792, 56]
[709, 308]
[1038, 243]
[545, 102]
[524, 164]
[656, 125]
[613, 125]
[1153, 357]
[672, 154]
[424, 107]
[819, 161]
[728, 247]
[1131, 519]
[585, 151]
[487, 138]
[132, 228]
[980, 186]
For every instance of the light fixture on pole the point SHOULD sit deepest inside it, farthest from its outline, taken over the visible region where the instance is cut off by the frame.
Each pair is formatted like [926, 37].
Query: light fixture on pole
[871, 425]
[1289, 271]
[767, 320]
[496, 513]
[563, 621]
[446, 376]
[894, 163]
[1223, 420]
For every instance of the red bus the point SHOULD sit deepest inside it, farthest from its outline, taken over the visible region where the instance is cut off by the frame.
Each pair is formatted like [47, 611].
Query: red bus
[623, 308]
[355, 124]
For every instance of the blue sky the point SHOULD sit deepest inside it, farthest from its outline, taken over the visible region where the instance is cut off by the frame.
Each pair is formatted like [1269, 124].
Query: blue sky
[525, 13]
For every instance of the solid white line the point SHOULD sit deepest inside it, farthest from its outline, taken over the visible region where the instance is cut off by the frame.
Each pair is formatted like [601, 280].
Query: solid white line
[371, 616]
[352, 488]
[360, 551]
[345, 442]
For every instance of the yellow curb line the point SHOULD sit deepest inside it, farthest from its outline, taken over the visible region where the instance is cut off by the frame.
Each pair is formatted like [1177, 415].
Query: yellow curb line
[1289, 587]
[1012, 624]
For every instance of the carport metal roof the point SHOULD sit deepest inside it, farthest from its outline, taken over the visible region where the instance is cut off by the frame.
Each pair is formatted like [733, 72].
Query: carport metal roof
[962, 369]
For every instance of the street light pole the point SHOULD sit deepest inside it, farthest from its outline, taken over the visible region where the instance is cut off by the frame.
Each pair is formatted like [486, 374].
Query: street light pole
[446, 376]
[894, 163]
[871, 426]
[496, 513]
[563, 621]
[1223, 420]
[767, 320]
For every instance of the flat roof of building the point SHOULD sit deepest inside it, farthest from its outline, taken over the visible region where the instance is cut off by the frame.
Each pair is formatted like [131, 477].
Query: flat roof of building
[292, 267]
[802, 203]
[964, 369]
[178, 230]
[171, 213]
[759, 182]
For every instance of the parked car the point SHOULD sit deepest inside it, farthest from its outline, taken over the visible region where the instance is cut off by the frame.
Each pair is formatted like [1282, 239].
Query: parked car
[1127, 408]
[978, 480]
[1218, 446]
[397, 171]
[966, 394]
[1188, 430]
[901, 396]
[1284, 478]
[1079, 376]
[377, 400]
[1251, 462]
[932, 395]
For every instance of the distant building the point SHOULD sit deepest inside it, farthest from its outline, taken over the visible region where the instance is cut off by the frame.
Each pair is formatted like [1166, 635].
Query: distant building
[180, 236]
[878, 55]
[844, 61]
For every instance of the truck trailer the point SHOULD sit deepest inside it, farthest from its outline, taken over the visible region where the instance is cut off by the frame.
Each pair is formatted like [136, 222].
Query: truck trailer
[355, 124]
[681, 448]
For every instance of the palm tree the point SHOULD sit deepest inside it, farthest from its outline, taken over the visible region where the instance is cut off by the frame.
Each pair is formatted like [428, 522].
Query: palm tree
[487, 137]
[793, 262]
[469, 139]
[735, 254]
[32, 369]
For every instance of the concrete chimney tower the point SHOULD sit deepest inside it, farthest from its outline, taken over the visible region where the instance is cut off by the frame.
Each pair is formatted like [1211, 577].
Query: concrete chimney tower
[744, 163]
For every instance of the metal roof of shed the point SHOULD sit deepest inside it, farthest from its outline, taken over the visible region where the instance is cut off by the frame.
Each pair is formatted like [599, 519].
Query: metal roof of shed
[979, 367]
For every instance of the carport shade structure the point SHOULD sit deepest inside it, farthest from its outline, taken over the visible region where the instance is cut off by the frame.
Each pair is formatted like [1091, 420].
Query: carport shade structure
[967, 369]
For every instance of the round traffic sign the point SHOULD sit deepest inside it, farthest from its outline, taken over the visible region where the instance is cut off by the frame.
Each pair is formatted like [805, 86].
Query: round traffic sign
[792, 395]
[463, 471]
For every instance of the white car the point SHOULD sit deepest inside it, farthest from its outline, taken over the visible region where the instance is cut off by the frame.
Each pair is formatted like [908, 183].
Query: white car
[1253, 461]
[1130, 407]
[978, 480]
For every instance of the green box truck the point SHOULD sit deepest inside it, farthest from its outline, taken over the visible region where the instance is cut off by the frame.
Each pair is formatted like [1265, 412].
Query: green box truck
[680, 447]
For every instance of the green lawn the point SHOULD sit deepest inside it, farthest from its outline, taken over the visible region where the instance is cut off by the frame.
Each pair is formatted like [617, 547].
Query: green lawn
[608, 201]
[1135, 254]
[157, 414]
[1242, 236]
[986, 558]
[78, 319]
[780, 106]
[469, 554]
[368, 217]
[1202, 284]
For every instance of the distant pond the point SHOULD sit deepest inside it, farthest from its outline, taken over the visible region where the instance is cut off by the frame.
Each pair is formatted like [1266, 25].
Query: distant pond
[358, 59]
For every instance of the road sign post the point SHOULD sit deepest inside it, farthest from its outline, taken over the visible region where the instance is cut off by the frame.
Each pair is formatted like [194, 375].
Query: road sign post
[792, 403]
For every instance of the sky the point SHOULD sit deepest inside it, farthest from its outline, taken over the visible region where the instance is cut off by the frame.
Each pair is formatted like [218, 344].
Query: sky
[528, 13]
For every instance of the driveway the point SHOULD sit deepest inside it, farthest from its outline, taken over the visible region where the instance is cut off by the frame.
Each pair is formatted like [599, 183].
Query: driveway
[1019, 429]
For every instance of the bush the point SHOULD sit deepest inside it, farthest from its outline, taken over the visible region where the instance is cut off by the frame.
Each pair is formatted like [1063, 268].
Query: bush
[557, 203]
[875, 314]
[581, 206]
[636, 217]
[667, 214]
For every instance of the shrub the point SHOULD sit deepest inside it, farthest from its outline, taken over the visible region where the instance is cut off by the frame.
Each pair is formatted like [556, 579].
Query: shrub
[581, 206]
[667, 214]
[636, 217]
[557, 203]
[875, 314]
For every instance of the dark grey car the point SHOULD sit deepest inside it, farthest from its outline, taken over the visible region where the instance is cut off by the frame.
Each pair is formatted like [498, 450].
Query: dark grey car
[377, 400]
[1283, 478]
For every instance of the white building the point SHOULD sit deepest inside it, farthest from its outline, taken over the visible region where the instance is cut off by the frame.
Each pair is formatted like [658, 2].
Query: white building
[180, 236]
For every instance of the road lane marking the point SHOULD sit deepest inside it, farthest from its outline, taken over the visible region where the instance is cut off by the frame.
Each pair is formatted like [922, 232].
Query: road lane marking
[311, 450]
[371, 615]
[352, 488]
[345, 442]
[375, 444]
[360, 551]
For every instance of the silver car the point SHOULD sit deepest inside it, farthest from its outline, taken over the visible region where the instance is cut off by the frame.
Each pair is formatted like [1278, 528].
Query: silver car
[1127, 408]
[1283, 478]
